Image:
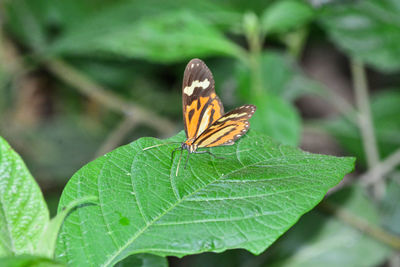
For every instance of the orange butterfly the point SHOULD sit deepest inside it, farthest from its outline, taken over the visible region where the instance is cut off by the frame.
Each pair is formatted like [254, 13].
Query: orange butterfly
[206, 125]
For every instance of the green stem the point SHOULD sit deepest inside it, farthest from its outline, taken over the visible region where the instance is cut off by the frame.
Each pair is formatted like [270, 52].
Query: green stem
[365, 123]
[256, 74]
[255, 41]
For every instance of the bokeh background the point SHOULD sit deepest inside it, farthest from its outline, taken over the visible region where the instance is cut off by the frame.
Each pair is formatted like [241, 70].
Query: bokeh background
[79, 78]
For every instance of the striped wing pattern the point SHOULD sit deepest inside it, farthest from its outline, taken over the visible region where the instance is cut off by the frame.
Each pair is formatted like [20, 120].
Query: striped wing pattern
[201, 106]
[227, 129]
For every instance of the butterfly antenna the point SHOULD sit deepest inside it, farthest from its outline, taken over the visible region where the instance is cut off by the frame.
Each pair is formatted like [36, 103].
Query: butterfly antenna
[179, 163]
[150, 147]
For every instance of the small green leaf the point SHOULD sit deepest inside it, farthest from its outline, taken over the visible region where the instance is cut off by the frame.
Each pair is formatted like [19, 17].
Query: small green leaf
[23, 211]
[246, 200]
[286, 15]
[28, 261]
[330, 242]
[277, 118]
[368, 30]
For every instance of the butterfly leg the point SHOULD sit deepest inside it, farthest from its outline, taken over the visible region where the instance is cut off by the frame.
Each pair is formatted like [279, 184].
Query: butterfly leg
[208, 152]
[187, 160]
[173, 152]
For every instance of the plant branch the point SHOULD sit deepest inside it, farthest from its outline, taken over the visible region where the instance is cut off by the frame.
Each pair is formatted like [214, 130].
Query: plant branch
[381, 169]
[361, 224]
[116, 136]
[90, 88]
[365, 123]
[340, 104]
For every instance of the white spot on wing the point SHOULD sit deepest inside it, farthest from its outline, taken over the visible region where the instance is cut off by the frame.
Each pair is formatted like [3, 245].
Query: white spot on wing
[188, 90]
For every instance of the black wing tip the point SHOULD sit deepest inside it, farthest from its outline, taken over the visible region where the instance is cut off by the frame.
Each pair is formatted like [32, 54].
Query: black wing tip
[196, 60]
[197, 63]
[197, 68]
[252, 107]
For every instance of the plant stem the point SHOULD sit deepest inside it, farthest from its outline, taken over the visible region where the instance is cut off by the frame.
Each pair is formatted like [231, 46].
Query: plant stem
[95, 91]
[381, 169]
[361, 224]
[340, 104]
[254, 40]
[365, 123]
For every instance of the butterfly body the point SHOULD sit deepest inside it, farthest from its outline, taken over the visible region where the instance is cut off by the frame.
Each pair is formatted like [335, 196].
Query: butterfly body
[189, 146]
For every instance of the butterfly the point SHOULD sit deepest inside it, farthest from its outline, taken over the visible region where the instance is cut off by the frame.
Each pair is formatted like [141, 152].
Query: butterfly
[204, 120]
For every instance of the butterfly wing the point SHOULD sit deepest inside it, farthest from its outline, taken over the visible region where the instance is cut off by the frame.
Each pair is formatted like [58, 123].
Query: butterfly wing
[227, 129]
[201, 106]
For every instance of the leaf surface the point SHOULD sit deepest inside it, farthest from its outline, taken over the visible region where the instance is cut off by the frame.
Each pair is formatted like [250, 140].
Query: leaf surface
[246, 200]
[23, 211]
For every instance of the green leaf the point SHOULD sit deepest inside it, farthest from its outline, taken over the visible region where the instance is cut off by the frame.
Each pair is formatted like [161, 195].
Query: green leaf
[319, 239]
[386, 120]
[23, 211]
[368, 30]
[246, 200]
[286, 15]
[143, 260]
[165, 36]
[28, 261]
[277, 118]
[280, 76]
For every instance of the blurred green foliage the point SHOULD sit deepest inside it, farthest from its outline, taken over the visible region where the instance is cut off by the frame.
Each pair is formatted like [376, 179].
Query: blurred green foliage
[137, 50]
[385, 112]
[369, 30]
